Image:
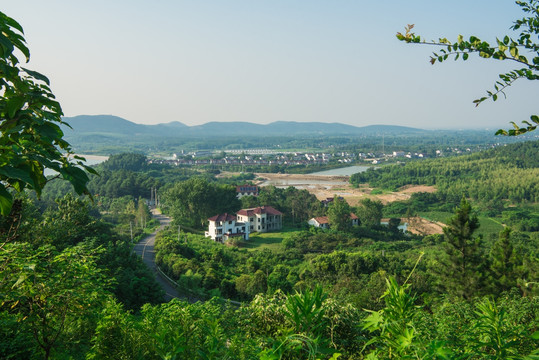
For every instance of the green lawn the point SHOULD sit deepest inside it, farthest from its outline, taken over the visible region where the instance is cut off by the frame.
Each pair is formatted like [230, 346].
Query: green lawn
[489, 226]
[270, 240]
[440, 216]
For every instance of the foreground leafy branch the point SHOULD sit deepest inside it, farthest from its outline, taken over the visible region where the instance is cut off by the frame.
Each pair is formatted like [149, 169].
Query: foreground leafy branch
[31, 139]
[523, 50]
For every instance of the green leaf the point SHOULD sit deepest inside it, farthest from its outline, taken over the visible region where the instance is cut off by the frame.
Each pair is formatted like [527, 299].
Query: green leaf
[21, 278]
[14, 104]
[6, 201]
[513, 51]
[6, 46]
[37, 75]
[373, 321]
[13, 23]
[465, 56]
[22, 172]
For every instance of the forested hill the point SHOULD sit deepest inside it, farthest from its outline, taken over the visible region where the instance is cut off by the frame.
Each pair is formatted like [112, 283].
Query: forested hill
[116, 126]
[505, 173]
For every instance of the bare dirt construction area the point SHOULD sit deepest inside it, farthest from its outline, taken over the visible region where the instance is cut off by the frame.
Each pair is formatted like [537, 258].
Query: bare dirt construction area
[328, 186]
[324, 187]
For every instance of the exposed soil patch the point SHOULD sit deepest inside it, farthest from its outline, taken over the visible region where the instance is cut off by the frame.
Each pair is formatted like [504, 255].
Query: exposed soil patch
[420, 226]
[328, 186]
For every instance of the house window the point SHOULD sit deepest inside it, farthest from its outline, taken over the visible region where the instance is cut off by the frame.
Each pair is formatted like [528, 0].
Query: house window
[258, 227]
[230, 222]
[251, 227]
[251, 220]
[243, 228]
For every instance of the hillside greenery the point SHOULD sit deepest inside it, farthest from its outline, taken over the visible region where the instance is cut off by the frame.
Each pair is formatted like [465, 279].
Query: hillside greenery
[71, 286]
[505, 174]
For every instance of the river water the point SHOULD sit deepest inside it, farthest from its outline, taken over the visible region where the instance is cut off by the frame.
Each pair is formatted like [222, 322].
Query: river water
[344, 171]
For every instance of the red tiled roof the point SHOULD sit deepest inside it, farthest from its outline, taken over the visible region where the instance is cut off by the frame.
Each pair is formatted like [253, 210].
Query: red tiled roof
[322, 220]
[259, 210]
[353, 216]
[222, 217]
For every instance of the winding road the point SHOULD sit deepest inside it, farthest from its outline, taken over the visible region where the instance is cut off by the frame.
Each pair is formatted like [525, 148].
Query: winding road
[145, 249]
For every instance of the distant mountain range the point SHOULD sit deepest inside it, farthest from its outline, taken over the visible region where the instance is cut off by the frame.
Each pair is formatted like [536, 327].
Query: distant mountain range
[108, 125]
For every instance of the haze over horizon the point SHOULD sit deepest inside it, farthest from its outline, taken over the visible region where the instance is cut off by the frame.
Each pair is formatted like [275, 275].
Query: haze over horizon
[261, 62]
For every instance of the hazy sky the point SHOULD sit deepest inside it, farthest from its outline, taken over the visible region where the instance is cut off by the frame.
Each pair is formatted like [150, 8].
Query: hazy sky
[264, 61]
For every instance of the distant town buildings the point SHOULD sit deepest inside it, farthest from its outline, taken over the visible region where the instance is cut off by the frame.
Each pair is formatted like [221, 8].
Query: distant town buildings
[267, 157]
[246, 190]
[329, 200]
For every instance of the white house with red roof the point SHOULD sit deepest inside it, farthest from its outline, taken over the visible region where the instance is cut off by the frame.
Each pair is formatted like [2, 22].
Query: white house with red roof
[225, 226]
[323, 221]
[319, 222]
[261, 219]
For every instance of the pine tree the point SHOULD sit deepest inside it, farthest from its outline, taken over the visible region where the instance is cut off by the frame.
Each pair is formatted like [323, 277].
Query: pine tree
[461, 269]
[506, 266]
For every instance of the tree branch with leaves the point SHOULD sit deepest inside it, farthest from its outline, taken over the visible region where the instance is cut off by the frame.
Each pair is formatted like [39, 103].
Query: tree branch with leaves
[523, 50]
[31, 139]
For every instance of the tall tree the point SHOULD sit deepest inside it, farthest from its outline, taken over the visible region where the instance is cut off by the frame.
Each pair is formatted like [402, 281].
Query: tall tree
[339, 214]
[369, 212]
[506, 265]
[461, 270]
[193, 201]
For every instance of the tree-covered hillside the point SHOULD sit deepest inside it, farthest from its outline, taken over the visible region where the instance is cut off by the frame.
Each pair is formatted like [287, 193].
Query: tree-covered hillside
[506, 173]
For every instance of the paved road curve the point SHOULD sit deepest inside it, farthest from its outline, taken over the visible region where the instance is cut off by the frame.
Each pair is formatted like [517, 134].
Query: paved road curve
[145, 249]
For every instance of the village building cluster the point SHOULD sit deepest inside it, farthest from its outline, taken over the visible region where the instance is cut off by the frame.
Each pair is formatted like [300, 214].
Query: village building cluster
[262, 219]
[224, 227]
